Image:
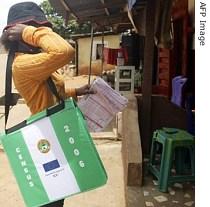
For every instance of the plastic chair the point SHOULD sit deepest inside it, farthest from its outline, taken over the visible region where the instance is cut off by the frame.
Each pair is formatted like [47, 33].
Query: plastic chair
[178, 84]
[171, 139]
[174, 95]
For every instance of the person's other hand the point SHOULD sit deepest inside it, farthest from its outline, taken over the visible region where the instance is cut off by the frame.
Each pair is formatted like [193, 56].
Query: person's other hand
[15, 33]
[84, 90]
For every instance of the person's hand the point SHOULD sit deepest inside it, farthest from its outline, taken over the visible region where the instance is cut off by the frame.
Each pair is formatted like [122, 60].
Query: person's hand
[15, 33]
[84, 90]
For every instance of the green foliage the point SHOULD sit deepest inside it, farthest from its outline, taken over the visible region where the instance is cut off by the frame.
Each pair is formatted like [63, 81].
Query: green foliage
[73, 27]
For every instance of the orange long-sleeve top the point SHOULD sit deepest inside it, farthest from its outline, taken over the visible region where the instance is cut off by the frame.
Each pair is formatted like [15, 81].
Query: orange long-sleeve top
[30, 71]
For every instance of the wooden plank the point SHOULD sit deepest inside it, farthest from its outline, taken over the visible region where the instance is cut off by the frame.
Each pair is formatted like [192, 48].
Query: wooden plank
[104, 135]
[119, 17]
[89, 6]
[131, 144]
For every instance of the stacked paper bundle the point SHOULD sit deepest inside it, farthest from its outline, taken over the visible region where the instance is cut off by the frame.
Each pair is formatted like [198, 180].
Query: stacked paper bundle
[100, 108]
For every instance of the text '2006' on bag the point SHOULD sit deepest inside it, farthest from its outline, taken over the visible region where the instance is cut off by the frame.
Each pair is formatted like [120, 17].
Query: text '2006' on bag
[53, 155]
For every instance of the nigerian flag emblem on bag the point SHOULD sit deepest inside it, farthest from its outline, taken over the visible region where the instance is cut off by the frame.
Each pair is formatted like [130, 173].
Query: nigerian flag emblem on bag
[53, 156]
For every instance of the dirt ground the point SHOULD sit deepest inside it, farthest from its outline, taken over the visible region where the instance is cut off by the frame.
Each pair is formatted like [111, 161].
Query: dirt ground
[109, 195]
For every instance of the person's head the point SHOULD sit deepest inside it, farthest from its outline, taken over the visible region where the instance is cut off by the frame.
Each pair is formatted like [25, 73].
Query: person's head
[27, 13]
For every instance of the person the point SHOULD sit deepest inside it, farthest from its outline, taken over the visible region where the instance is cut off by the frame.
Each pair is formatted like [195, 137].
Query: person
[40, 52]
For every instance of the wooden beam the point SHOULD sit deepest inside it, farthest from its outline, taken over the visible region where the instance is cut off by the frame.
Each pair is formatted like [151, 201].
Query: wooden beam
[89, 13]
[67, 17]
[80, 7]
[114, 17]
[64, 5]
[102, 52]
[91, 52]
[146, 108]
[77, 57]
[106, 9]
[68, 9]
[130, 16]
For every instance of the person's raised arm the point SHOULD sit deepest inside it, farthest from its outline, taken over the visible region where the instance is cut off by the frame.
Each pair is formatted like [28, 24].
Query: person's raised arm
[56, 52]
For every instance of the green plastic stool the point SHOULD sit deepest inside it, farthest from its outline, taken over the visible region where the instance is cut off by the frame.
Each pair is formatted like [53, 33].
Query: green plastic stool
[171, 139]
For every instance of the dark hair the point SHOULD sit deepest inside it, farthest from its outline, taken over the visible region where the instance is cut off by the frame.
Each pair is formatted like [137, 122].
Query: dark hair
[18, 46]
[5, 41]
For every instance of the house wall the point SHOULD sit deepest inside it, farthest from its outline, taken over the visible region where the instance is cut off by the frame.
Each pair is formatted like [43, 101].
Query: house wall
[84, 45]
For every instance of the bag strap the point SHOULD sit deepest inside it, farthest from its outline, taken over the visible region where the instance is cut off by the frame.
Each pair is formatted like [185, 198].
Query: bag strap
[12, 98]
[53, 89]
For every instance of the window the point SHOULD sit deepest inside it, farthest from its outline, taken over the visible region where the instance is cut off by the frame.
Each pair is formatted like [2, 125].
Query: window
[97, 49]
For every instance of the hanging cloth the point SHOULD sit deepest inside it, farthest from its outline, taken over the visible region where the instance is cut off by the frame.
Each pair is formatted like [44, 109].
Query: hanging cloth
[110, 55]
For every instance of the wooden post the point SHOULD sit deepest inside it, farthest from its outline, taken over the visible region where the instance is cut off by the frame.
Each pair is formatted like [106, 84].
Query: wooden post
[102, 52]
[146, 107]
[91, 52]
[77, 57]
